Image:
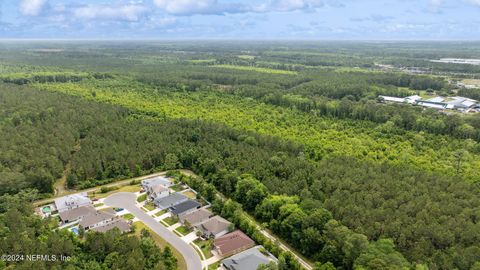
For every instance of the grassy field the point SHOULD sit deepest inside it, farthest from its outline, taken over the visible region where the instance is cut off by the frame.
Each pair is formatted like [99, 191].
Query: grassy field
[205, 246]
[183, 230]
[177, 187]
[128, 188]
[128, 216]
[190, 194]
[170, 220]
[214, 266]
[182, 265]
[150, 206]
[257, 69]
[142, 197]
[159, 213]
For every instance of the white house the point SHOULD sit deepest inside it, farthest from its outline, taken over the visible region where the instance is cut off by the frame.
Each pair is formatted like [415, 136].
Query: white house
[72, 201]
[157, 191]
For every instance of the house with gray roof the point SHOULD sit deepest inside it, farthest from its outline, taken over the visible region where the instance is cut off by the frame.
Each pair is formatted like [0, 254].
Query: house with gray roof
[185, 207]
[170, 200]
[72, 201]
[248, 260]
[76, 214]
[97, 219]
[118, 223]
[157, 180]
[214, 227]
[196, 217]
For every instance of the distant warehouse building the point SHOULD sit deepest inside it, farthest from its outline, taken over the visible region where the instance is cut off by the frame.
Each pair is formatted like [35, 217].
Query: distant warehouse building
[461, 104]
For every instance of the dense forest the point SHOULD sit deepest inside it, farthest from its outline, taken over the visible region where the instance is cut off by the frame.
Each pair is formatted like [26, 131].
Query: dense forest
[304, 148]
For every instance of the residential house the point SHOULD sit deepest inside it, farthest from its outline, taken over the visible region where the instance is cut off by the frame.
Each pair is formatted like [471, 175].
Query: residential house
[247, 260]
[157, 191]
[196, 217]
[232, 243]
[119, 223]
[158, 180]
[76, 214]
[214, 227]
[99, 218]
[185, 207]
[72, 201]
[170, 200]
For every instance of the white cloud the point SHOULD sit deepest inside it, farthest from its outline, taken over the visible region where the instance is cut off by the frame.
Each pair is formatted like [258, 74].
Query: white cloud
[32, 7]
[475, 2]
[186, 6]
[289, 5]
[129, 12]
[190, 7]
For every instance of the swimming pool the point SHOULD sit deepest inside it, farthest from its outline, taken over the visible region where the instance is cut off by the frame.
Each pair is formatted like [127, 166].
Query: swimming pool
[74, 230]
[46, 209]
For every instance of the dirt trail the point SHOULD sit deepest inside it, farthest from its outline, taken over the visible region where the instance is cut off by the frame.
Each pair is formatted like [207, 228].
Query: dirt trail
[60, 186]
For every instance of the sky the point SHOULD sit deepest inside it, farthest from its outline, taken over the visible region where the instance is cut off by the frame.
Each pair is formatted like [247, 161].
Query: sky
[241, 19]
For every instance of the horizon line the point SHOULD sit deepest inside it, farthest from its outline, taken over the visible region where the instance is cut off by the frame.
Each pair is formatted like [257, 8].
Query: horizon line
[239, 39]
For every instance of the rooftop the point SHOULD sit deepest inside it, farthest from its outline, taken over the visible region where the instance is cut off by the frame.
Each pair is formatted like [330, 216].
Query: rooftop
[158, 188]
[246, 260]
[170, 200]
[216, 225]
[121, 224]
[74, 214]
[184, 206]
[95, 218]
[197, 216]
[162, 180]
[233, 241]
[73, 200]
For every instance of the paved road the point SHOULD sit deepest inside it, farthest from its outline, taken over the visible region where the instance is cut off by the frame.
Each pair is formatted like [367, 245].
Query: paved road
[118, 183]
[128, 201]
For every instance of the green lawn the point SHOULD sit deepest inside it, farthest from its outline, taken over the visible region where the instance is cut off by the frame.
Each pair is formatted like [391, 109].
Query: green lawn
[98, 205]
[142, 197]
[190, 194]
[150, 206]
[214, 266]
[205, 246]
[177, 187]
[128, 216]
[170, 220]
[184, 230]
[159, 213]
[128, 188]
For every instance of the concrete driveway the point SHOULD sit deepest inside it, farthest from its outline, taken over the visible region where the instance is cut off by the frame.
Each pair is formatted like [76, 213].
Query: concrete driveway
[128, 201]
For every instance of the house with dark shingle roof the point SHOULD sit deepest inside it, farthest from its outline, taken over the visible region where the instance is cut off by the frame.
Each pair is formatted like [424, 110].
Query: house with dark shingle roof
[170, 200]
[248, 260]
[185, 207]
[232, 243]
